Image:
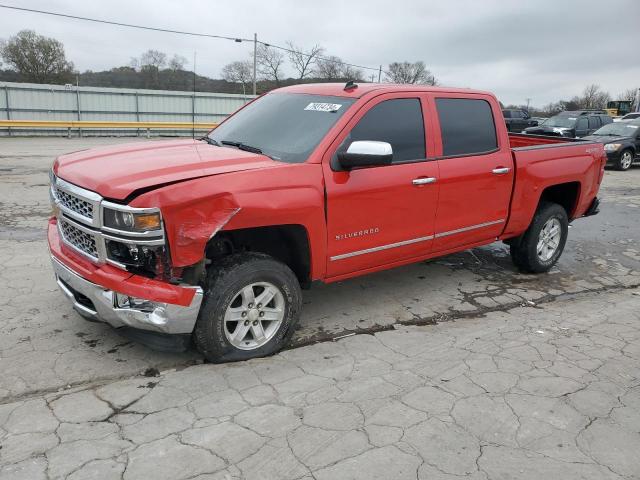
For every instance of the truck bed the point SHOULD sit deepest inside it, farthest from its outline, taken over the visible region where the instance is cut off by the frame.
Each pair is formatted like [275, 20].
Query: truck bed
[542, 161]
[519, 140]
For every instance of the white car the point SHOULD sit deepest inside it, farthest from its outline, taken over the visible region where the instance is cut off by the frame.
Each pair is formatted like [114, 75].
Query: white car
[628, 116]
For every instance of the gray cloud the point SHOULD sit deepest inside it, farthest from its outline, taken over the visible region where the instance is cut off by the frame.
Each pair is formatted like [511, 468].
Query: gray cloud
[543, 50]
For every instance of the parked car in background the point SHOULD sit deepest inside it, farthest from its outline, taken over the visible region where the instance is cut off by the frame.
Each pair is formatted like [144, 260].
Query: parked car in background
[621, 142]
[572, 123]
[517, 119]
[628, 116]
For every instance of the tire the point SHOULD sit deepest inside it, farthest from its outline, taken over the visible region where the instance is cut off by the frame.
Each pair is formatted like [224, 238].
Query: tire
[226, 299]
[625, 160]
[525, 253]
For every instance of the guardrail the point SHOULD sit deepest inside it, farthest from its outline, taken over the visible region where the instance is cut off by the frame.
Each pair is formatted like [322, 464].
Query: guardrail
[98, 125]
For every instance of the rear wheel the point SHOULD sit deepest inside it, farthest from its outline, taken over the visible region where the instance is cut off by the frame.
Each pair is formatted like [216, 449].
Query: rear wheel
[252, 303]
[625, 160]
[542, 244]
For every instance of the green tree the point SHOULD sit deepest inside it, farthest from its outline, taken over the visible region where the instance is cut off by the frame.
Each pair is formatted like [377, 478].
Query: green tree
[37, 58]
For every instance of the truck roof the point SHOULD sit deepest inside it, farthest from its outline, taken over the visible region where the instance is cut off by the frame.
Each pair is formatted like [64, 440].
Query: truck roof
[338, 89]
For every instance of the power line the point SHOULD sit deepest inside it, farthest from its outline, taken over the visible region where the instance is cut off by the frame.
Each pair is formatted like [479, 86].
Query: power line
[181, 32]
[120, 24]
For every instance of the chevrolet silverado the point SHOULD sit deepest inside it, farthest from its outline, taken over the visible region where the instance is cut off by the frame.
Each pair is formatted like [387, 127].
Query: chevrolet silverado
[212, 240]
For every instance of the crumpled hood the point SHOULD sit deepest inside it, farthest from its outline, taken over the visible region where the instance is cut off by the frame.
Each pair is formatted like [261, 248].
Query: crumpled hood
[117, 171]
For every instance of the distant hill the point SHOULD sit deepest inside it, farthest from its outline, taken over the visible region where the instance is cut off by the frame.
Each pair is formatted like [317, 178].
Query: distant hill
[167, 79]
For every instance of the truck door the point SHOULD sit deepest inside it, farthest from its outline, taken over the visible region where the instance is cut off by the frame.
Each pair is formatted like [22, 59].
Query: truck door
[476, 171]
[381, 215]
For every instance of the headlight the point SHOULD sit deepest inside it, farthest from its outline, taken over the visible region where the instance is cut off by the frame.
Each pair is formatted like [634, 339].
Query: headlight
[612, 147]
[132, 221]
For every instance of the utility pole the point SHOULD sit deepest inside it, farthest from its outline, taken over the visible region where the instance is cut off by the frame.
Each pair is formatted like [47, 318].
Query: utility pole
[255, 52]
[379, 73]
[193, 100]
[528, 100]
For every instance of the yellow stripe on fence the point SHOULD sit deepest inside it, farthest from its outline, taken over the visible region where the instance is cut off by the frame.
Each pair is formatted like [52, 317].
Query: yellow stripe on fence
[105, 125]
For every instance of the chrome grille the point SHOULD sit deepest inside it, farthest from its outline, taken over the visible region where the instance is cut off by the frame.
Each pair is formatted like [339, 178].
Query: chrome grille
[75, 204]
[83, 241]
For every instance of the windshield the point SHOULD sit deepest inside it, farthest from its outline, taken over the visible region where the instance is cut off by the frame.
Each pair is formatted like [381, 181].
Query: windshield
[618, 129]
[561, 121]
[284, 126]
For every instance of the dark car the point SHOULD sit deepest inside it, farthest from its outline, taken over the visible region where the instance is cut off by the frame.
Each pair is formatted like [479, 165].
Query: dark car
[517, 119]
[572, 123]
[621, 142]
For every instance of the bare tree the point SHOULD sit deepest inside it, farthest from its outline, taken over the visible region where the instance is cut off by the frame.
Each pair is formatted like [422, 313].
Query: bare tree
[303, 62]
[630, 95]
[269, 61]
[329, 68]
[347, 72]
[36, 58]
[238, 72]
[593, 97]
[153, 59]
[177, 62]
[407, 72]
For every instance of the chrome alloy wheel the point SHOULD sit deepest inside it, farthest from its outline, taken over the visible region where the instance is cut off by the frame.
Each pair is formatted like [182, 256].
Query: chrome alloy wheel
[254, 315]
[549, 239]
[626, 160]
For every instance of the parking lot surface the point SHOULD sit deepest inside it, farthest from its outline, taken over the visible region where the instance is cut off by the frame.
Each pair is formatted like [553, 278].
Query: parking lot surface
[525, 394]
[45, 345]
[463, 366]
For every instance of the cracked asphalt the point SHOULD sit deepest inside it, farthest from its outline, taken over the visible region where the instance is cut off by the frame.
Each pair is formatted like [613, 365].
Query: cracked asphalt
[527, 393]
[460, 366]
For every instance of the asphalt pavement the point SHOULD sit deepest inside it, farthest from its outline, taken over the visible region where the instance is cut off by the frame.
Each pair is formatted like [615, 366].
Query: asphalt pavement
[451, 367]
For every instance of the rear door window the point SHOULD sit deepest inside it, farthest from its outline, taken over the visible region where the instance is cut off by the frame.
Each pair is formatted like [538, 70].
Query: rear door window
[467, 126]
[398, 122]
[594, 123]
[581, 124]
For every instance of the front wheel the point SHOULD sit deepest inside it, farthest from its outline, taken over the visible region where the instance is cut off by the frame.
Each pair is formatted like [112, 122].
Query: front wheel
[625, 160]
[542, 244]
[252, 303]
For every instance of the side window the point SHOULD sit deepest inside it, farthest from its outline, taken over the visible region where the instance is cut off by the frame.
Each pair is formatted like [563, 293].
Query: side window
[520, 114]
[398, 122]
[467, 126]
[581, 124]
[506, 113]
[594, 122]
[606, 119]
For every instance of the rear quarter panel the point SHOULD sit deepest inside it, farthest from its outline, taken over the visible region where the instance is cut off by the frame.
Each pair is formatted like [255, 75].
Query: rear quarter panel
[540, 167]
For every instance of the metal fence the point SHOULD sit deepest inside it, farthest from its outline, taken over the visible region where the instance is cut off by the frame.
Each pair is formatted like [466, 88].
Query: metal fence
[27, 101]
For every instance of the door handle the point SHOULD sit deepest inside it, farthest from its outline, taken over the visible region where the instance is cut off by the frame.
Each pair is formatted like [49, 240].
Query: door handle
[423, 180]
[501, 170]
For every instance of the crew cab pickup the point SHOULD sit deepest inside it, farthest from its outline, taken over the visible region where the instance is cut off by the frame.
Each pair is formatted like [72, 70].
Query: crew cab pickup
[213, 239]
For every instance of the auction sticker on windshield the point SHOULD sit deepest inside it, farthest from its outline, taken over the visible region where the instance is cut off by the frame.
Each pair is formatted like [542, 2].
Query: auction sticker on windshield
[323, 107]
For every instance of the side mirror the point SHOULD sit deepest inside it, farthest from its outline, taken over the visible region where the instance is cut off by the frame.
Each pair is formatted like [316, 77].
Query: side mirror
[366, 153]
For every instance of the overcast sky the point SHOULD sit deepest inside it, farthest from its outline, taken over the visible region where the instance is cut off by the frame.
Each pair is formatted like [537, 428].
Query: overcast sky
[542, 49]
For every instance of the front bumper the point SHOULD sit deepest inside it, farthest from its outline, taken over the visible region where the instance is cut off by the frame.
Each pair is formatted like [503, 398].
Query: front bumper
[170, 309]
[612, 158]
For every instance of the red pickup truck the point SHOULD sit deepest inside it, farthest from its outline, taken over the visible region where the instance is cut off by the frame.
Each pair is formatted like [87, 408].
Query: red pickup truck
[213, 239]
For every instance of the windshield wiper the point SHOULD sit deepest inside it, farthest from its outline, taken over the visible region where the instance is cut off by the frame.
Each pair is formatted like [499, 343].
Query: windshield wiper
[241, 146]
[210, 141]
